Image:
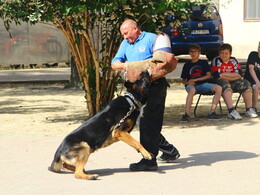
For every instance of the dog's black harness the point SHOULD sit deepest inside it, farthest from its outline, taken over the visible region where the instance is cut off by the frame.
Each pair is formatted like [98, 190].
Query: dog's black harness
[134, 105]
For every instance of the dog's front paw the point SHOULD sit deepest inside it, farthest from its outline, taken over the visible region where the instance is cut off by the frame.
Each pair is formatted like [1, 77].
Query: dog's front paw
[147, 155]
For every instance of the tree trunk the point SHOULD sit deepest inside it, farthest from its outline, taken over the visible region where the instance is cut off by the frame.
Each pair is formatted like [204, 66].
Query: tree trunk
[74, 76]
[95, 74]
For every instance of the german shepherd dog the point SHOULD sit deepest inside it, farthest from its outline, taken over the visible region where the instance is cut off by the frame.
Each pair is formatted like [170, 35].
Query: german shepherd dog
[110, 125]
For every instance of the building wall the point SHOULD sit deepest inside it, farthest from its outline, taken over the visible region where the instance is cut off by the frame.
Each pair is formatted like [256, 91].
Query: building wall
[242, 35]
[33, 44]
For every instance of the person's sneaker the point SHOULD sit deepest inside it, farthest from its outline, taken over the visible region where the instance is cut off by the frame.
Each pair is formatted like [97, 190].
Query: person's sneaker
[185, 118]
[167, 158]
[234, 115]
[213, 116]
[251, 113]
[144, 165]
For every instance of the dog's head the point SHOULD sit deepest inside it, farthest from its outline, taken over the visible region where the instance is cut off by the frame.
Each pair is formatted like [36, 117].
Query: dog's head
[140, 88]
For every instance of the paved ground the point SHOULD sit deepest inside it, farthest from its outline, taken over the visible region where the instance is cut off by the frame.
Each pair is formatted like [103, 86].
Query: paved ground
[215, 160]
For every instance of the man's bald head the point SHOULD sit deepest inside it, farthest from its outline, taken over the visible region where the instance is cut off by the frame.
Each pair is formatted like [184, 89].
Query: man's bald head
[128, 23]
[130, 30]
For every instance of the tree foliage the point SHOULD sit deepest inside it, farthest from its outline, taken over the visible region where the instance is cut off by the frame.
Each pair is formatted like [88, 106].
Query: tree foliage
[92, 31]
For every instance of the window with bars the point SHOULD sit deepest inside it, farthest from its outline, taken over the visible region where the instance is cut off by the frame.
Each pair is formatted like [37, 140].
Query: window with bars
[252, 10]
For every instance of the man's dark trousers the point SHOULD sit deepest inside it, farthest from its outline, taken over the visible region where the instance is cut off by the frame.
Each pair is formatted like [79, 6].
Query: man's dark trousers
[151, 120]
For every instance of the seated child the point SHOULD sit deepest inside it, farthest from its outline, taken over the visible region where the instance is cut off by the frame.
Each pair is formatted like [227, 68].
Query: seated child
[227, 72]
[253, 74]
[195, 75]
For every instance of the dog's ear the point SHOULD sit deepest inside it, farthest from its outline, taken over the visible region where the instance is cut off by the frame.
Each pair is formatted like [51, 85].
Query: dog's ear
[128, 85]
[145, 75]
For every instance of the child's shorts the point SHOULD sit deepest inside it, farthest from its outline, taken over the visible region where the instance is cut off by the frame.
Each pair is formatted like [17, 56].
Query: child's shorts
[240, 85]
[203, 88]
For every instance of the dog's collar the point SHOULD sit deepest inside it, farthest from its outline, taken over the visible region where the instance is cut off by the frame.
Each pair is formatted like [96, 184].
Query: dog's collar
[132, 100]
[133, 105]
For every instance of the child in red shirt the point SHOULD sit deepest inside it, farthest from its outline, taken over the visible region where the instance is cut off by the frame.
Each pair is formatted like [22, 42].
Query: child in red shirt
[227, 73]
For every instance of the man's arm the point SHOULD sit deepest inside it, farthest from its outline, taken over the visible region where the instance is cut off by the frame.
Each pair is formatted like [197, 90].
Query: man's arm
[119, 65]
[119, 62]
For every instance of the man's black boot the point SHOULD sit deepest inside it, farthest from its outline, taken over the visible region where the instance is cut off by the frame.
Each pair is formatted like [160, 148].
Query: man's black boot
[144, 165]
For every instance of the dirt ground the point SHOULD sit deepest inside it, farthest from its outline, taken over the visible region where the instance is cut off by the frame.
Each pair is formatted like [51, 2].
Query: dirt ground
[57, 110]
[216, 157]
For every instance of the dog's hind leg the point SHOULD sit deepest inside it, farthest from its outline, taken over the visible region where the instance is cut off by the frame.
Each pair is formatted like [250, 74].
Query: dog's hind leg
[56, 164]
[127, 138]
[81, 161]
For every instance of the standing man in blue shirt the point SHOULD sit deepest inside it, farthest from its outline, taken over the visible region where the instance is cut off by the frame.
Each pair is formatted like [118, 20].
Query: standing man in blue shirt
[138, 46]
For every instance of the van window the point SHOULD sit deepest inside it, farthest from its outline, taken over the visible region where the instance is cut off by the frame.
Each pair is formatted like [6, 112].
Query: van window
[204, 13]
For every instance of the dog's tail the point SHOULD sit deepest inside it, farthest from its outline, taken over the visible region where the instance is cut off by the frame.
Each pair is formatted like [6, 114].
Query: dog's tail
[56, 164]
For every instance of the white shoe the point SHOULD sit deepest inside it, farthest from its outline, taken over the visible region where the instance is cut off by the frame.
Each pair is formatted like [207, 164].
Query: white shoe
[251, 113]
[234, 115]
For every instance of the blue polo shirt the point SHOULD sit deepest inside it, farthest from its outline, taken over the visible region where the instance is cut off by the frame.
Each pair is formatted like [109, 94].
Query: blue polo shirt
[141, 49]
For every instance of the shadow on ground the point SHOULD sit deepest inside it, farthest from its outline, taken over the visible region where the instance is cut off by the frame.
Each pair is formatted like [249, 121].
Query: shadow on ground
[200, 159]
